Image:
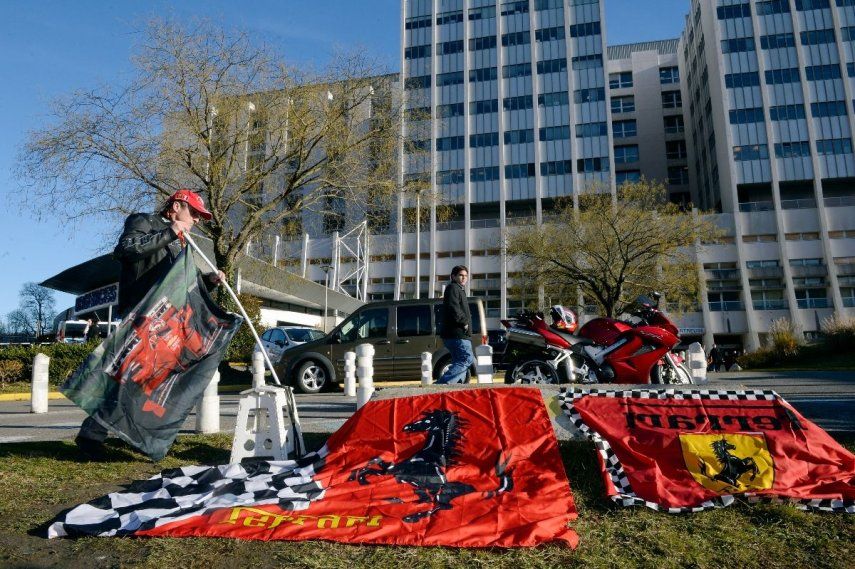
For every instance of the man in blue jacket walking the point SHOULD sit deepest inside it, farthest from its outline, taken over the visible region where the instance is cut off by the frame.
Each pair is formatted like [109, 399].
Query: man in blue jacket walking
[457, 327]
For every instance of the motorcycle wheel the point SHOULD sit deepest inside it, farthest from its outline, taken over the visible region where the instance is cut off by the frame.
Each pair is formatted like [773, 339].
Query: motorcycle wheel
[532, 372]
[683, 376]
[671, 376]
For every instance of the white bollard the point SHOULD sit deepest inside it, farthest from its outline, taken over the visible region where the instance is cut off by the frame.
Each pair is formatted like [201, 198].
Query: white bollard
[427, 368]
[39, 386]
[365, 373]
[257, 369]
[484, 363]
[697, 363]
[208, 408]
[350, 374]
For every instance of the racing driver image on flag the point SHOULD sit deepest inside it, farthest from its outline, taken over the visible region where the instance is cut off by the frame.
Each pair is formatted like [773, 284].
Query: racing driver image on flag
[147, 249]
[163, 343]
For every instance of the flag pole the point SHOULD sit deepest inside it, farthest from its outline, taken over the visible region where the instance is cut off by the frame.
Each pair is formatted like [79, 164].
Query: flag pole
[292, 404]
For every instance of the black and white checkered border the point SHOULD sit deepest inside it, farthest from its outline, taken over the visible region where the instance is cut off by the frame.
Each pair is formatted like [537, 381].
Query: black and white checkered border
[627, 497]
[190, 491]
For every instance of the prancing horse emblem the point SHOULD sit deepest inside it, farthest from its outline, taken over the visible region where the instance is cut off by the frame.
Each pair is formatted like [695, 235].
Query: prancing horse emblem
[426, 470]
[732, 467]
[729, 462]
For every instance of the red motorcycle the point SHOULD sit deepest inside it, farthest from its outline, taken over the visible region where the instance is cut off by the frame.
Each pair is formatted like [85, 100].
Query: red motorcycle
[604, 350]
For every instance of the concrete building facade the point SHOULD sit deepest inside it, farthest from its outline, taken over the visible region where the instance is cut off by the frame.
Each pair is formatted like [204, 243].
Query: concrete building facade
[748, 115]
[769, 100]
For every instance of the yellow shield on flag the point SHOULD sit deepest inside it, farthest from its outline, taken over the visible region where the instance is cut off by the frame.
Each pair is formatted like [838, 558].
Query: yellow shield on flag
[728, 462]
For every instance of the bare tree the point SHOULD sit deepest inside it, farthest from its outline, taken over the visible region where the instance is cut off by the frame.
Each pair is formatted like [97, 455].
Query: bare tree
[612, 251]
[19, 322]
[215, 111]
[38, 305]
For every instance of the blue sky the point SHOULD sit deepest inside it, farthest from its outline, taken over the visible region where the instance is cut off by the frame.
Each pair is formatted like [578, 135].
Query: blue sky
[49, 48]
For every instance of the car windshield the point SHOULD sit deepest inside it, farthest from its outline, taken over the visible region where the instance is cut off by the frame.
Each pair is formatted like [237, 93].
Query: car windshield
[304, 334]
[74, 330]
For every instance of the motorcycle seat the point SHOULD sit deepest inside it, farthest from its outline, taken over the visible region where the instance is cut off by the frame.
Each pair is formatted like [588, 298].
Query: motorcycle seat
[572, 339]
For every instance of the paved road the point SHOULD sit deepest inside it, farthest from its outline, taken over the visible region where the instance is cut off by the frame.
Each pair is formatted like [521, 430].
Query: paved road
[827, 398]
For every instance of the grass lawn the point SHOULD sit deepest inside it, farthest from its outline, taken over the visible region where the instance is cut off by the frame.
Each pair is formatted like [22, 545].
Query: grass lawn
[38, 480]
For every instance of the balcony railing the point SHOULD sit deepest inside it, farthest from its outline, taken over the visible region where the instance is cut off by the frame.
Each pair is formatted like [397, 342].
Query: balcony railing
[486, 284]
[756, 206]
[812, 302]
[521, 220]
[839, 201]
[723, 274]
[845, 269]
[726, 306]
[484, 223]
[448, 225]
[809, 270]
[801, 203]
[765, 272]
[770, 304]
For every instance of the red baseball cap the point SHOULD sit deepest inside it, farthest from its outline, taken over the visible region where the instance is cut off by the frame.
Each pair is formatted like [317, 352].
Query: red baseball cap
[192, 199]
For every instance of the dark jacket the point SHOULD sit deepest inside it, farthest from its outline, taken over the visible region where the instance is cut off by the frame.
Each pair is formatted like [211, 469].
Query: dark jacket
[456, 319]
[147, 248]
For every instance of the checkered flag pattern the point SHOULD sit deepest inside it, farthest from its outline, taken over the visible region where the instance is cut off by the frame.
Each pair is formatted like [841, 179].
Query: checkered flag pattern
[190, 491]
[625, 495]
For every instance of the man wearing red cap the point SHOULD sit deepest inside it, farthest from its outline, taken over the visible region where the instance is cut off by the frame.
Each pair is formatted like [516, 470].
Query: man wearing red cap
[148, 246]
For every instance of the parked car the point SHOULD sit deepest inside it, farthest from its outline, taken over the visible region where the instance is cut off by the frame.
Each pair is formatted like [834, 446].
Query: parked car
[399, 331]
[281, 338]
[74, 331]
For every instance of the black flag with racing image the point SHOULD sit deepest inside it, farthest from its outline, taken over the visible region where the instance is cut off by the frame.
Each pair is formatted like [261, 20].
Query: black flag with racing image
[142, 381]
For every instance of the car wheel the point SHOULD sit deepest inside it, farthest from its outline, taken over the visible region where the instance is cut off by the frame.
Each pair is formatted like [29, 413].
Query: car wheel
[443, 366]
[312, 377]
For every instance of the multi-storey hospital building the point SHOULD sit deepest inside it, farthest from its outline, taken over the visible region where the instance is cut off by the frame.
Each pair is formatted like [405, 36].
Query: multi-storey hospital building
[748, 114]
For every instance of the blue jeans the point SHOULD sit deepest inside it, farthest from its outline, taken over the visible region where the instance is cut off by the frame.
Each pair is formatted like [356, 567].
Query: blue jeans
[461, 359]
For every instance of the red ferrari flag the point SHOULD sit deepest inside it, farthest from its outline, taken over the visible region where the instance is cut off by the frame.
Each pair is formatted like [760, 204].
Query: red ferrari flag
[472, 468]
[686, 451]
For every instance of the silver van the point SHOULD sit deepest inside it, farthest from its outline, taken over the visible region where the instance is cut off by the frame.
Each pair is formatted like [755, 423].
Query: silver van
[399, 331]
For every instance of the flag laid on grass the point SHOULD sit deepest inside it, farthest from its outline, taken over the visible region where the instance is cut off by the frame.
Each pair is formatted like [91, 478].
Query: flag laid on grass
[142, 381]
[686, 451]
[472, 468]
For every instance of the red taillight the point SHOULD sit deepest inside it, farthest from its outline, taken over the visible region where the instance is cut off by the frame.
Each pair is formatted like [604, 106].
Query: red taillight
[484, 340]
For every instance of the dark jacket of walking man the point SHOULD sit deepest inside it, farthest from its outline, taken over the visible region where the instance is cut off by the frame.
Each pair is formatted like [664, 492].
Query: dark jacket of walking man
[457, 327]
[147, 249]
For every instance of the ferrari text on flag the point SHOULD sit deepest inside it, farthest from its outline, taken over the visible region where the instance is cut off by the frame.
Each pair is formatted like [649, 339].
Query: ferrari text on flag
[142, 381]
[684, 451]
[474, 468]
